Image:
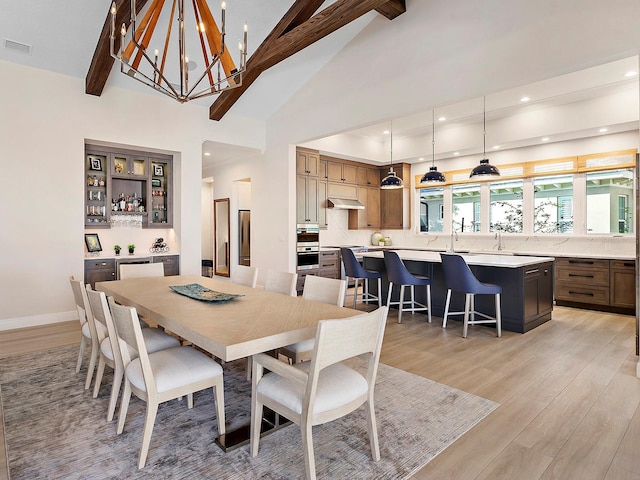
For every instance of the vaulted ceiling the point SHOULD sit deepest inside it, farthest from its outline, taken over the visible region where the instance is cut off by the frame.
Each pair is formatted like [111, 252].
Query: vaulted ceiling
[301, 26]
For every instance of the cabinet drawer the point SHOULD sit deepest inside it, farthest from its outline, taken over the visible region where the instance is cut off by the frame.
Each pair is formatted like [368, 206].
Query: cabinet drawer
[171, 264]
[582, 294]
[582, 262]
[94, 265]
[623, 265]
[583, 276]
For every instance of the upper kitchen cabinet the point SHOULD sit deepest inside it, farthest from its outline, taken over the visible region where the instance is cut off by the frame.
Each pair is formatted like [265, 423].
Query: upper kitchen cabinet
[370, 216]
[368, 176]
[307, 208]
[341, 172]
[97, 189]
[395, 204]
[129, 165]
[307, 162]
[161, 205]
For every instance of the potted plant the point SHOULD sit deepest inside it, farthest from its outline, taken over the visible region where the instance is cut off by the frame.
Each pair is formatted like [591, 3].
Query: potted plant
[117, 248]
[131, 248]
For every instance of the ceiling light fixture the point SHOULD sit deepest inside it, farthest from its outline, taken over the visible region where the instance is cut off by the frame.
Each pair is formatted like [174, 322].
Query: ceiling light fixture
[485, 169]
[433, 175]
[602, 130]
[148, 67]
[442, 119]
[525, 99]
[630, 74]
[391, 181]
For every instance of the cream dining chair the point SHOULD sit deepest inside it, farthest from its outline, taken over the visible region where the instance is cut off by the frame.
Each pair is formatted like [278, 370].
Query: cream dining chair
[319, 289]
[162, 376]
[110, 351]
[90, 334]
[244, 275]
[281, 282]
[141, 270]
[317, 392]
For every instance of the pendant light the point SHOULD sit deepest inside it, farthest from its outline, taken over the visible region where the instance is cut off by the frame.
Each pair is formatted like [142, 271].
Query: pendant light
[433, 175]
[485, 169]
[391, 181]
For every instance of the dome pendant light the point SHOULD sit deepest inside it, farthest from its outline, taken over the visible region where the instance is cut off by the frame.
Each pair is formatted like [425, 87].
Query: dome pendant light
[391, 181]
[433, 175]
[485, 169]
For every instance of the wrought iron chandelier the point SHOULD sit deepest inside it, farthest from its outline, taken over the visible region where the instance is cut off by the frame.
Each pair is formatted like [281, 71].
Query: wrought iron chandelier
[219, 73]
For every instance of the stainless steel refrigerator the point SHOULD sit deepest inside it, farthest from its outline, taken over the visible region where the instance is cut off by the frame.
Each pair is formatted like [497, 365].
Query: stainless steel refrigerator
[244, 229]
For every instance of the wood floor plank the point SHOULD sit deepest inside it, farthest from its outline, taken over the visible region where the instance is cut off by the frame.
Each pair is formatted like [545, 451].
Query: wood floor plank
[516, 461]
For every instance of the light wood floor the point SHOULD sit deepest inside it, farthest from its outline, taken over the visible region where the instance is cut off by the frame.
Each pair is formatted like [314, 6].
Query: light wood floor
[569, 398]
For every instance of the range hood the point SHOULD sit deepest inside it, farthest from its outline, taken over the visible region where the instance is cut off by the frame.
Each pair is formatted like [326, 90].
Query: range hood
[345, 204]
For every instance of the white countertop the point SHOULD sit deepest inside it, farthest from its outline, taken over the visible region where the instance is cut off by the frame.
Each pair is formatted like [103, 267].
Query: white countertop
[506, 261]
[135, 256]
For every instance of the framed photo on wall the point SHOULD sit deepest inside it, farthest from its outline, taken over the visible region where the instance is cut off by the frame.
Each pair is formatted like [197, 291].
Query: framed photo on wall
[95, 163]
[93, 242]
[158, 171]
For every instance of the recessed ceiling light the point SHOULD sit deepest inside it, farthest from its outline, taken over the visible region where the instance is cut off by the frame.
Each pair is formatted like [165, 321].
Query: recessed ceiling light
[421, 159]
[602, 130]
[525, 99]
[385, 132]
[207, 154]
[442, 119]
[630, 74]
[496, 147]
[545, 139]
[456, 153]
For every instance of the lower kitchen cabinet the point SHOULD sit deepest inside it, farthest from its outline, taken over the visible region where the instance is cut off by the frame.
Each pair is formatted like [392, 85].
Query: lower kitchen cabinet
[329, 268]
[99, 270]
[171, 264]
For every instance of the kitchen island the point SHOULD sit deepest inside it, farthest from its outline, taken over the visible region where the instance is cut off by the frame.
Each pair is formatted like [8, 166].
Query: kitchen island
[526, 281]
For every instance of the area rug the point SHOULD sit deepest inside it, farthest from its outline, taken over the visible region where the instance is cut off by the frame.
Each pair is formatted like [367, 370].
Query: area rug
[55, 429]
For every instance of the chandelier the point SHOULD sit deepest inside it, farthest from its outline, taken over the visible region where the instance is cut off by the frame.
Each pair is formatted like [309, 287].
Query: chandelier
[148, 65]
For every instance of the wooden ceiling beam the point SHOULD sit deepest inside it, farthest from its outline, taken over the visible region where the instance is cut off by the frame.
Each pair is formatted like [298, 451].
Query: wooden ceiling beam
[287, 39]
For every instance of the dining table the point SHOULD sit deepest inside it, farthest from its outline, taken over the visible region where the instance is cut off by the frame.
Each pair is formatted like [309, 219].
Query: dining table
[253, 321]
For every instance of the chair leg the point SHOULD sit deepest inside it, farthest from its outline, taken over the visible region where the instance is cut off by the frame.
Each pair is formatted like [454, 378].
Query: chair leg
[467, 304]
[365, 292]
[346, 290]
[429, 301]
[124, 406]
[99, 374]
[150, 419]
[413, 299]
[249, 368]
[373, 430]
[190, 400]
[307, 446]
[446, 309]
[389, 294]
[355, 292]
[401, 303]
[498, 315]
[118, 375]
[95, 351]
[83, 343]
[256, 422]
[219, 399]
[379, 292]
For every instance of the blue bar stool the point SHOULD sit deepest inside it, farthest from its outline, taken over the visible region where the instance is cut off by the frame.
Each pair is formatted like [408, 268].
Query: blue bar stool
[398, 273]
[353, 269]
[459, 278]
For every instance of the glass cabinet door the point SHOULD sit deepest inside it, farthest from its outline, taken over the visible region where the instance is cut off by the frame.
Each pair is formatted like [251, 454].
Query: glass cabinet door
[128, 165]
[160, 213]
[96, 192]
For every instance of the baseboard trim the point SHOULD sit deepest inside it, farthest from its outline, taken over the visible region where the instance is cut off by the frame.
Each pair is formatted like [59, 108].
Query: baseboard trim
[37, 320]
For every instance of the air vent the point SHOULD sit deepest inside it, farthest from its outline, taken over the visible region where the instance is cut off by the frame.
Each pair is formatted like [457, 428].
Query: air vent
[17, 46]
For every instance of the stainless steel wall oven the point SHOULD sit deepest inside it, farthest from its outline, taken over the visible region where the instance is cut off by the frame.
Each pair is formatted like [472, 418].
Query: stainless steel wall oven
[308, 246]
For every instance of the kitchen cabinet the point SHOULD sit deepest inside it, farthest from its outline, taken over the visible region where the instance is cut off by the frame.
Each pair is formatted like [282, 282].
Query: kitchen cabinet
[323, 194]
[307, 162]
[306, 199]
[596, 284]
[370, 216]
[99, 270]
[121, 184]
[329, 264]
[395, 204]
[322, 170]
[171, 264]
[368, 176]
[341, 172]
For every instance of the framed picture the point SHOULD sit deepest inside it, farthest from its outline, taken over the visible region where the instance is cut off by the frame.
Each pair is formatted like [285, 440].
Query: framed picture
[93, 242]
[155, 182]
[158, 171]
[95, 163]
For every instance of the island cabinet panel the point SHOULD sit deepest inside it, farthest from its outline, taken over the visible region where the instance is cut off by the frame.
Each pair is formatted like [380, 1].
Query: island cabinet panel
[596, 283]
[526, 300]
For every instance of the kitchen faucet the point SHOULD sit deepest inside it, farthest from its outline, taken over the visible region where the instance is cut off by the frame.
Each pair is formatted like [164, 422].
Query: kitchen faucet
[499, 238]
[453, 234]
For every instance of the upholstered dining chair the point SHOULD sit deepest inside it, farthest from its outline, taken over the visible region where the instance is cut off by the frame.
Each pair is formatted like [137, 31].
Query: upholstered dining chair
[353, 269]
[244, 275]
[460, 279]
[317, 392]
[398, 274]
[141, 270]
[90, 334]
[281, 282]
[162, 376]
[318, 289]
[110, 352]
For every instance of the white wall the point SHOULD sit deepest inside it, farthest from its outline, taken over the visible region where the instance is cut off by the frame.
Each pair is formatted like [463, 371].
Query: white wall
[45, 119]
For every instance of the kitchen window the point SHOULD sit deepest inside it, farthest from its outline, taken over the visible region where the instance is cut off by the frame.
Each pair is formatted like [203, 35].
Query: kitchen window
[553, 204]
[432, 210]
[466, 208]
[506, 206]
[609, 209]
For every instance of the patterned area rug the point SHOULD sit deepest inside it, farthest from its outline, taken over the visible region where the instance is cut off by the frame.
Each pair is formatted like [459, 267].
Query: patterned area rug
[55, 430]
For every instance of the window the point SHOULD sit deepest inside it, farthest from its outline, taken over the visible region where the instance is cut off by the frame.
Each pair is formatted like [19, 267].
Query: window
[608, 206]
[553, 204]
[506, 206]
[466, 208]
[431, 209]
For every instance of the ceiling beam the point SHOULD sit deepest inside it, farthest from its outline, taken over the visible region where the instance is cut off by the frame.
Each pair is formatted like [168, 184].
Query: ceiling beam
[392, 9]
[287, 39]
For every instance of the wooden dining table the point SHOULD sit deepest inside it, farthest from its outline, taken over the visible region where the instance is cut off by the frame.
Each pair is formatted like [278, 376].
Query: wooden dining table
[258, 321]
